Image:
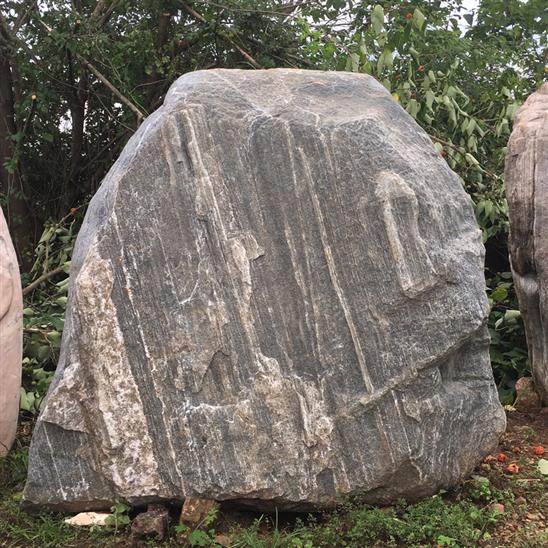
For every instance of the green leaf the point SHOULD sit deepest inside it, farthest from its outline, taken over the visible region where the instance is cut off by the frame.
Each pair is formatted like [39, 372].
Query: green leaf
[57, 322]
[471, 160]
[120, 508]
[27, 400]
[511, 110]
[512, 315]
[354, 62]
[499, 294]
[385, 60]
[199, 538]
[61, 301]
[471, 126]
[450, 110]
[413, 108]
[472, 143]
[55, 338]
[444, 540]
[451, 91]
[418, 19]
[377, 18]
[388, 58]
[430, 98]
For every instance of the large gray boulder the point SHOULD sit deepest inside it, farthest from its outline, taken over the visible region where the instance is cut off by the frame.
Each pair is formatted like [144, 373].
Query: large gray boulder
[526, 180]
[277, 297]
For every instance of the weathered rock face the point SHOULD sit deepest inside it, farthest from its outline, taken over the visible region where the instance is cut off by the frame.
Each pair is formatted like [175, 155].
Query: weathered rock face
[277, 296]
[526, 181]
[11, 338]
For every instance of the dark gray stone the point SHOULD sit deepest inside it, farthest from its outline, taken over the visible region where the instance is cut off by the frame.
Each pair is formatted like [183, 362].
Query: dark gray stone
[526, 181]
[277, 297]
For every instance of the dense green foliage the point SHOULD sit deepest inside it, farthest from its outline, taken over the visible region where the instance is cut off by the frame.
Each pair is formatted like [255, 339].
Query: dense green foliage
[76, 79]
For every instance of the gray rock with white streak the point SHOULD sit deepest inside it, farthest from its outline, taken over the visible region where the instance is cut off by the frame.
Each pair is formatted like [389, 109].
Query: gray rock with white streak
[526, 181]
[277, 297]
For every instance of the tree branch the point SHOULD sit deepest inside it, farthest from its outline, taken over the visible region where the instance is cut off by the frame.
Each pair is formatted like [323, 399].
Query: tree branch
[24, 16]
[223, 34]
[99, 7]
[285, 11]
[140, 115]
[108, 13]
[44, 277]
[102, 78]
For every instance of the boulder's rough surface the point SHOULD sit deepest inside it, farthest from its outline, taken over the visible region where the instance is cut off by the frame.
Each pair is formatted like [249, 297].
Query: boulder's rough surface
[11, 338]
[277, 296]
[526, 180]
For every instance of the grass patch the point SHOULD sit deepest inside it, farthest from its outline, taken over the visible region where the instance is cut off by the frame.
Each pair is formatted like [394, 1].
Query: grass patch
[433, 521]
[464, 517]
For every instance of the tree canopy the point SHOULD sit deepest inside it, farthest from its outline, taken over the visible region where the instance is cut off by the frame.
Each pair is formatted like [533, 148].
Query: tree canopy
[78, 77]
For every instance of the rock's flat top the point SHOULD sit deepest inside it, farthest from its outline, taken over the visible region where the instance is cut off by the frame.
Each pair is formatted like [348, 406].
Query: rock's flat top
[526, 181]
[11, 338]
[277, 297]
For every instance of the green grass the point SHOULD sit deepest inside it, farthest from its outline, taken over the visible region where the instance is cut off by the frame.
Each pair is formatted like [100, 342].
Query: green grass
[462, 518]
[19, 529]
[433, 521]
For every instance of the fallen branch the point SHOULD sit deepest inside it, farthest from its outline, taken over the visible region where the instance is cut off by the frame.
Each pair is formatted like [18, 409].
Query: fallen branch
[44, 277]
[35, 331]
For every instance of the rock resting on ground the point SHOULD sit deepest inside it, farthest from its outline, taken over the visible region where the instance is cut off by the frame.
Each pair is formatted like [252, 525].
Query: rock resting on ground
[276, 298]
[526, 181]
[11, 338]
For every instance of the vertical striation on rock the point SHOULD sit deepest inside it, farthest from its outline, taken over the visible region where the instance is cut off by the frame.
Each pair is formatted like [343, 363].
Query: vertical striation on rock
[11, 338]
[526, 181]
[276, 298]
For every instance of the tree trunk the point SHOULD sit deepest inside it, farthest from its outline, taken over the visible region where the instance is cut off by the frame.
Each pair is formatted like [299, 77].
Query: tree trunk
[17, 212]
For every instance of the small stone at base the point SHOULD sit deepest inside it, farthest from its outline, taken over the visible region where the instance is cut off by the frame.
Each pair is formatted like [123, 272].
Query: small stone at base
[86, 519]
[154, 521]
[195, 510]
